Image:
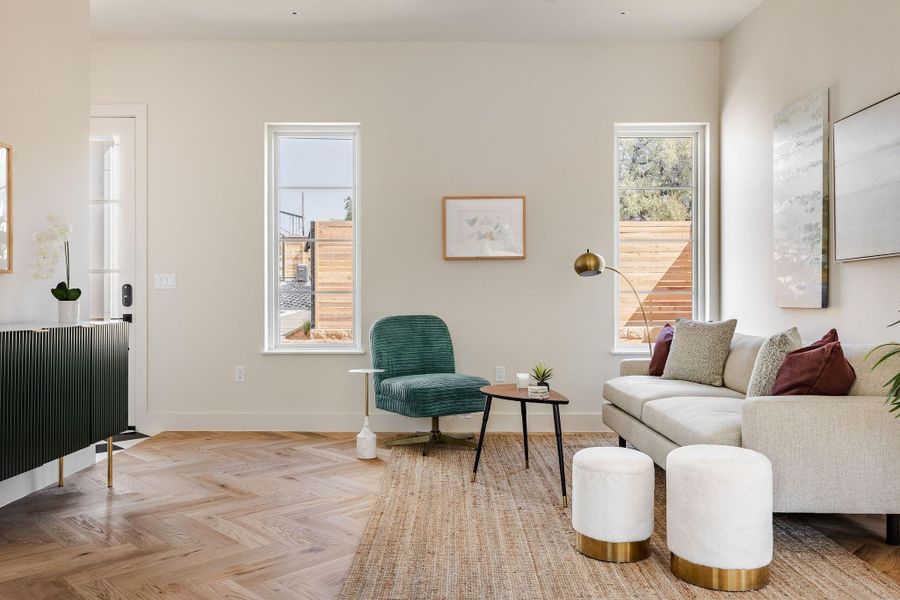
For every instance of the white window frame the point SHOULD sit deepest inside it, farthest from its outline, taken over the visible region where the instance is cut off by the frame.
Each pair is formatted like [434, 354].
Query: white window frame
[273, 343]
[699, 210]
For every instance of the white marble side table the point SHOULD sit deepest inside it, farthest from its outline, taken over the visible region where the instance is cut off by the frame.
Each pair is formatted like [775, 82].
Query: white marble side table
[366, 441]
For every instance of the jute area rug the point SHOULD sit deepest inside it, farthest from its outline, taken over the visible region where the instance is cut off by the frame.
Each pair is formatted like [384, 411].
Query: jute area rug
[435, 534]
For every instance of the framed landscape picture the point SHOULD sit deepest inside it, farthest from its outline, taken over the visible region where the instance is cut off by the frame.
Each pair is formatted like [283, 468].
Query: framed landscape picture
[484, 227]
[867, 182]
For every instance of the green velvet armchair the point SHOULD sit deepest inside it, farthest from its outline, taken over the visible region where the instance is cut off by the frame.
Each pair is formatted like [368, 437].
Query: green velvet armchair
[420, 378]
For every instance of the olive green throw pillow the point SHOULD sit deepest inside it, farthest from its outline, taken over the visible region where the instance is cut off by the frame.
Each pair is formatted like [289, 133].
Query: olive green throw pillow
[699, 351]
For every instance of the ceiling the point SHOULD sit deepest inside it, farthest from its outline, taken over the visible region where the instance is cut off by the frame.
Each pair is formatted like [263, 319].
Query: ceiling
[416, 20]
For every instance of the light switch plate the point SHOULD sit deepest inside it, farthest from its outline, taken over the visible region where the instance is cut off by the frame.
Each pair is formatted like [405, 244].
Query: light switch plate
[499, 374]
[164, 281]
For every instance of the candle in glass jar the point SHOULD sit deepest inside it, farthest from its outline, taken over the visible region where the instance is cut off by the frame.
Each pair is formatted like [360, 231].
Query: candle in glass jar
[521, 380]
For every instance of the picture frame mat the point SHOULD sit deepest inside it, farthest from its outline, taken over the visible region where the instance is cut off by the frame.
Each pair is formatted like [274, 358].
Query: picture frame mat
[486, 198]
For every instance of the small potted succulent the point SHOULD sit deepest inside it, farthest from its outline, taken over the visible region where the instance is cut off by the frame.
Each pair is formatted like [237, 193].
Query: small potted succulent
[542, 374]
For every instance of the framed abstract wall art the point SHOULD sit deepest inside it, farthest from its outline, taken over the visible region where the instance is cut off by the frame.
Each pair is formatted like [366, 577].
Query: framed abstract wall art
[6, 240]
[800, 203]
[484, 227]
[867, 182]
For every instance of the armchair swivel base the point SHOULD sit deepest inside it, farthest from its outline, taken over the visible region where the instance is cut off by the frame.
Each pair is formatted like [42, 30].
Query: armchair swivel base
[435, 437]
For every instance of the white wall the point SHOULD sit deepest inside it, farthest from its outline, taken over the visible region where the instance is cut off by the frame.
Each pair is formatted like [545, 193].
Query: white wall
[783, 51]
[44, 109]
[437, 119]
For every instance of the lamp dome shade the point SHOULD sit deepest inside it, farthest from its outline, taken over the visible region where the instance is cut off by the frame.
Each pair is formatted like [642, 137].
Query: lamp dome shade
[589, 264]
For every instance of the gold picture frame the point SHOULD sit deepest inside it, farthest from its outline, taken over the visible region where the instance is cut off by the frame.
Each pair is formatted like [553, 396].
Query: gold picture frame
[6, 231]
[483, 227]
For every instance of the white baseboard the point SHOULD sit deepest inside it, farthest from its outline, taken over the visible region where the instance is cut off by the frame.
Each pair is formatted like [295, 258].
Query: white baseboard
[538, 421]
[31, 481]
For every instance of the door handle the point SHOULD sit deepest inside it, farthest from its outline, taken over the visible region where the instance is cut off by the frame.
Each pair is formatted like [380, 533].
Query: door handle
[127, 294]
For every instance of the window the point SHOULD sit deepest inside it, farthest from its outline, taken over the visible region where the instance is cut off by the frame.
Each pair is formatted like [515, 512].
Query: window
[312, 201]
[660, 200]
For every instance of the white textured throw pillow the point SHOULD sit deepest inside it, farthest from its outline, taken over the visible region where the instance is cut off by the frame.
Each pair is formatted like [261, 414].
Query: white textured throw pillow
[699, 351]
[769, 360]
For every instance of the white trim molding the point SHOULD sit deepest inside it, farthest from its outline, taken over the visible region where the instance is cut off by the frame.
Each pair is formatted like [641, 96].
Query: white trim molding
[272, 337]
[381, 421]
[139, 407]
[700, 237]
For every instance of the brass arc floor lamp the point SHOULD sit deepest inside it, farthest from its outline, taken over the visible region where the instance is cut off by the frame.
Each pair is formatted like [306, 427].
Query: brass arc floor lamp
[590, 264]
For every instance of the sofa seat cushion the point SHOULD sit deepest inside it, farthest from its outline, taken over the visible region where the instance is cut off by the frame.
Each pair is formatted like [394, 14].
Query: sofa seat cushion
[699, 420]
[433, 394]
[741, 359]
[631, 392]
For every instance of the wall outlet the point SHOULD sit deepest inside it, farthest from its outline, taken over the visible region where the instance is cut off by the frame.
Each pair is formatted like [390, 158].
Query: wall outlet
[164, 281]
[499, 374]
[239, 374]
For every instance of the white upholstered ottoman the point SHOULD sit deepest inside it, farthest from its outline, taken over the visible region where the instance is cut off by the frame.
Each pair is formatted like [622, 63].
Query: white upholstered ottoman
[719, 516]
[612, 503]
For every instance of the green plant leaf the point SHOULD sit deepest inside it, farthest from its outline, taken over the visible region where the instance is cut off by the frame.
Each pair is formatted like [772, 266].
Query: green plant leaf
[60, 292]
[886, 356]
[879, 347]
[73, 294]
[893, 384]
[542, 373]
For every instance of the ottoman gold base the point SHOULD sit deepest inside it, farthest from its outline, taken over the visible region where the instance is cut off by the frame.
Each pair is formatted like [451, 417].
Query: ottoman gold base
[728, 580]
[612, 551]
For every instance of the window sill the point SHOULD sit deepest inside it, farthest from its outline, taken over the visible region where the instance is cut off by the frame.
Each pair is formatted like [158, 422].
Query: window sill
[314, 351]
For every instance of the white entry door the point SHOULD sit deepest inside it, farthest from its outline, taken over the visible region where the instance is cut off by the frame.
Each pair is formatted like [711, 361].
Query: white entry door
[114, 287]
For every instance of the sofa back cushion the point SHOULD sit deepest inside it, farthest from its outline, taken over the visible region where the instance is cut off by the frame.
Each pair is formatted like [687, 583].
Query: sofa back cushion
[739, 365]
[868, 382]
[744, 349]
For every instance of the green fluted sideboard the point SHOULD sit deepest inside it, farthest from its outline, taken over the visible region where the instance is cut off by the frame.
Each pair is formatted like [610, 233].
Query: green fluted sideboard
[62, 388]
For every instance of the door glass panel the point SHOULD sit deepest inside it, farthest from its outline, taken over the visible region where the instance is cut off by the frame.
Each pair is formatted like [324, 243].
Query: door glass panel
[105, 227]
[105, 236]
[105, 305]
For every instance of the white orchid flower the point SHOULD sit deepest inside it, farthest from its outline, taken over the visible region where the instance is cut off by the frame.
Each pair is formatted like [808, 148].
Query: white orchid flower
[48, 246]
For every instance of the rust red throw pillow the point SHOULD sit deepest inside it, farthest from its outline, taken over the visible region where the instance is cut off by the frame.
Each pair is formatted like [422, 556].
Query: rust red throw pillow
[819, 369]
[661, 350]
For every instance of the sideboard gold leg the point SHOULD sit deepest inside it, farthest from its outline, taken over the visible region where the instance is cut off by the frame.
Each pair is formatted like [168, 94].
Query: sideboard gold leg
[109, 458]
[61, 462]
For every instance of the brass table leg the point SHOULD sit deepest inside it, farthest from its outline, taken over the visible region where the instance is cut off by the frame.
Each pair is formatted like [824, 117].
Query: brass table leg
[109, 459]
[62, 473]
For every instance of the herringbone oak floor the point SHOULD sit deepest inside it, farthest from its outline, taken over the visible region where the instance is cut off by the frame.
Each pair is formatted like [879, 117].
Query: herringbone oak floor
[196, 515]
[228, 515]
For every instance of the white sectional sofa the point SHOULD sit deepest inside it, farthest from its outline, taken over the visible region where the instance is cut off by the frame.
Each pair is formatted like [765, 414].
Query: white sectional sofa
[830, 454]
